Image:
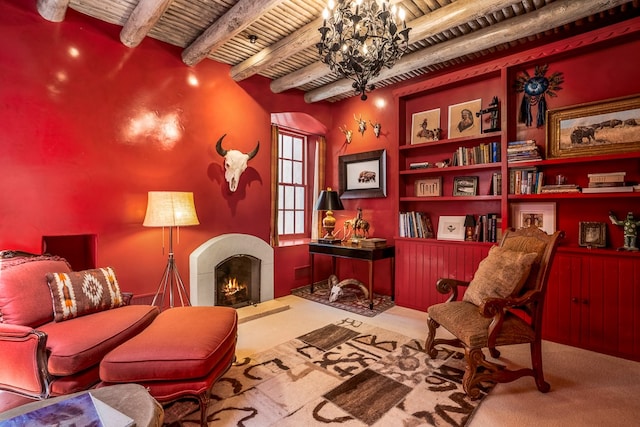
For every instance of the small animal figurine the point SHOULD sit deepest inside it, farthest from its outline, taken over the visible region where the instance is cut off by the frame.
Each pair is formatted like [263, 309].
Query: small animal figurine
[362, 124]
[376, 128]
[347, 133]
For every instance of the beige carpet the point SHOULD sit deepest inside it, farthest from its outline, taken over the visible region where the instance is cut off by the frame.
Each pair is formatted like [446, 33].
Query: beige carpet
[345, 374]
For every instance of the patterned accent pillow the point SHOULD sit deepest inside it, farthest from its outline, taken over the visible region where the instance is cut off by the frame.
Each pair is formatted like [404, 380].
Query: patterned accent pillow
[83, 292]
[501, 274]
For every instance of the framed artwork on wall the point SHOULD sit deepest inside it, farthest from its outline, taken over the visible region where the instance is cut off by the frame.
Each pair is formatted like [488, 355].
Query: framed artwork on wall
[425, 126]
[465, 186]
[428, 187]
[363, 175]
[451, 227]
[593, 234]
[541, 215]
[462, 119]
[603, 127]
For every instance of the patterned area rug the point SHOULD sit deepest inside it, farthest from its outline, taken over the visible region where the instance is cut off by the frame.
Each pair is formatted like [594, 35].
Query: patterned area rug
[345, 374]
[352, 299]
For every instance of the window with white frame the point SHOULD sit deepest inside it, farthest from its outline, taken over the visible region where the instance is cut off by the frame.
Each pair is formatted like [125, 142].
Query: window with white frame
[294, 205]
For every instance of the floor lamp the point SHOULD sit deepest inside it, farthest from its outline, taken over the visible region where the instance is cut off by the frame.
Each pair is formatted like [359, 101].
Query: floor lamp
[170, 209]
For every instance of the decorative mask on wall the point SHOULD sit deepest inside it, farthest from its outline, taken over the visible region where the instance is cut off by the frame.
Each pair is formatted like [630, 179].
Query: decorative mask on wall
[235, 162]
[535, 90]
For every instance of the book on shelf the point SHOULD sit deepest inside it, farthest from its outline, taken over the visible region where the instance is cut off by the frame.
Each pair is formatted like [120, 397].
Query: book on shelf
[373, 242]
[606, 177]
[488, 228]
[481, 154]
[81, 410]
[523, 151]
[496, 184]
[560, 188]
[606, 184]
[620, 189]
[415, 224]
[525, 180]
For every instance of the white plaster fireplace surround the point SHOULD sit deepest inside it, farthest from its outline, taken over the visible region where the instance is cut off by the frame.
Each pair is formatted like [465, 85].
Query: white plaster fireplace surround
[203, 262]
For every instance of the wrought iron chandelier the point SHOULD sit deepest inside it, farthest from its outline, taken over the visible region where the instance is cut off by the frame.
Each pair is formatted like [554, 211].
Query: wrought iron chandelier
[359, 37]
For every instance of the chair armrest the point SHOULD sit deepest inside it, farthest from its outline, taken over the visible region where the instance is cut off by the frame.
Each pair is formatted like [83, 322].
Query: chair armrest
[493, 306]
[23, 360]
[450, 286]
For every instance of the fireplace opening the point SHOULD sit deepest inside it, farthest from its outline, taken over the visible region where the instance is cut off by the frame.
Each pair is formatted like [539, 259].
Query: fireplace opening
[238, 281]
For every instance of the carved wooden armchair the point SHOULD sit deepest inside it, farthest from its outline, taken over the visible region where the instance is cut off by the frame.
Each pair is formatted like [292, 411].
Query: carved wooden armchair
[501, 306]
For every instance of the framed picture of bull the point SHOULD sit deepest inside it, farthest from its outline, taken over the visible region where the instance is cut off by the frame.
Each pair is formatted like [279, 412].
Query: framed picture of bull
[363, 175]
[604, 127]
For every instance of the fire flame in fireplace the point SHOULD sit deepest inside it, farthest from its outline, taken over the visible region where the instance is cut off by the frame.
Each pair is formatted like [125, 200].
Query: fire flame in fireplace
[232, 286]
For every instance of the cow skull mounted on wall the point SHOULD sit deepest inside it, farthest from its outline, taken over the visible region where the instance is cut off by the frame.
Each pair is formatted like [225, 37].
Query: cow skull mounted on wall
[235, 162]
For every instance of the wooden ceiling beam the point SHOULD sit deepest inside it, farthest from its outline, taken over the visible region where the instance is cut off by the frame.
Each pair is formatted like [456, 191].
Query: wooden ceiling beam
[551, 16]
[303, 38]
[53, 10]
[239, 17]
[145, 15]
[441, 19]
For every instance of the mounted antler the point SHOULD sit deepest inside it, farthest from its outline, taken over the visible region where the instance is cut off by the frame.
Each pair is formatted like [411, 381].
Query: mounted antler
[235, 162]
[362, 124]
[376, 128]
[347, 133]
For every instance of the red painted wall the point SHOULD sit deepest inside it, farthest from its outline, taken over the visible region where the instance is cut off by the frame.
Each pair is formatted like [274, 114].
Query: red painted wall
[82, 141]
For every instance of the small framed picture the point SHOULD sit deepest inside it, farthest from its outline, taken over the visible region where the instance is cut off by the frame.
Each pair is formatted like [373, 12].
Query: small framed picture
[428, 187]
[425, 126]
[465, 186]
[463, 121]
[541, 215]
[593, 234]
[451, 228]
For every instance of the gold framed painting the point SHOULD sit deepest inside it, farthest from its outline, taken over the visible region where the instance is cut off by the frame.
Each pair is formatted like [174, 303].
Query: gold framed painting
[425, 126]
[604, 127]
[462, 119]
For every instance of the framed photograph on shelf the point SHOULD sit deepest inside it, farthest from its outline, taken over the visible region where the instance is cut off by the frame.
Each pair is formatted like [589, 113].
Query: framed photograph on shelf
[593, 234]
[465, 185]
[451, 228]
[541, 215]
[462, 119]
[428, 187]
[425, 126]
[603, 127]
[363, 175]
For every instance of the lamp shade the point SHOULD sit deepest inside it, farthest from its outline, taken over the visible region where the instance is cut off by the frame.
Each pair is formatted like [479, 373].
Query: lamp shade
[170, 209]
[329, 201]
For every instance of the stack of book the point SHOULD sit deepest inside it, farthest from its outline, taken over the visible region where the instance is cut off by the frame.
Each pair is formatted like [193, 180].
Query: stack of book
[612, 182]
[523, 151]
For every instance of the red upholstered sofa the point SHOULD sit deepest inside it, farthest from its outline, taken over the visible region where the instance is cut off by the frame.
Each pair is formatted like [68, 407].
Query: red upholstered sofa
[47, 351]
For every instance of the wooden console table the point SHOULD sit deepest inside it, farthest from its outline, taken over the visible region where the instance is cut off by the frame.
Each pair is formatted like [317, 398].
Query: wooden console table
[366, 254]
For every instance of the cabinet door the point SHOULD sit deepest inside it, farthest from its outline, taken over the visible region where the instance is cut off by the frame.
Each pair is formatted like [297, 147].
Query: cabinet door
[420, 263]
[593, 302]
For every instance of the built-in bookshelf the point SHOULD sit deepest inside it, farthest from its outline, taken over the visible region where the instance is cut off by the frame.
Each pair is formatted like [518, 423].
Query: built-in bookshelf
[581, 277]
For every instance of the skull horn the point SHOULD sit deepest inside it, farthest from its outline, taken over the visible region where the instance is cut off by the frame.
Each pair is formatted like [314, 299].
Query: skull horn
[253, 153]
[219, 148]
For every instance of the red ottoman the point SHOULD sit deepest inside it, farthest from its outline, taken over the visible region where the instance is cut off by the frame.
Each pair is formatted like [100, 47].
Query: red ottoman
[181, 354]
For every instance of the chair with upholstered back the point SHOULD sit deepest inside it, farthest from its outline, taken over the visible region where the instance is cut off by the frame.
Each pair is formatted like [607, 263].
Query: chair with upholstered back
[502, 306]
